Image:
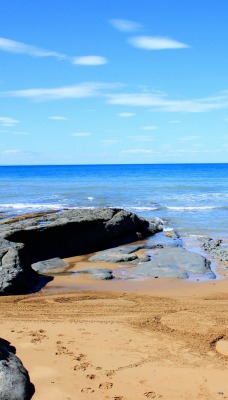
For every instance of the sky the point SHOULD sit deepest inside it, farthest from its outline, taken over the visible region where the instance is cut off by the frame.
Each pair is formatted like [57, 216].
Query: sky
[113, 81]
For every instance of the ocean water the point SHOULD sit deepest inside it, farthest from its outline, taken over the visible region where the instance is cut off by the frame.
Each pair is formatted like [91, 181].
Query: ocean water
[191, 198]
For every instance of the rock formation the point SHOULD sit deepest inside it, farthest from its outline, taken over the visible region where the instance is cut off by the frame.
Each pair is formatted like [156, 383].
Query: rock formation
[64, 234]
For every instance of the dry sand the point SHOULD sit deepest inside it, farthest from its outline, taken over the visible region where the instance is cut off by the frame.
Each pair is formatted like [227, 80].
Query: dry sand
[154, 339]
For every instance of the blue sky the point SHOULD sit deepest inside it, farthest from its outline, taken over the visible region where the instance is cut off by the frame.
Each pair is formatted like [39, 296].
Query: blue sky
[110, 81]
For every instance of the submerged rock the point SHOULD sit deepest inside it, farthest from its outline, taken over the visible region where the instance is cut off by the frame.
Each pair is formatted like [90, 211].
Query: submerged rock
[14, 379]
[27, 240]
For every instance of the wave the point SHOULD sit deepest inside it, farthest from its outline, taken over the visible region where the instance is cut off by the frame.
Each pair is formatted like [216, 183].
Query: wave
[195, 208]
[144, 208]
[20, 206]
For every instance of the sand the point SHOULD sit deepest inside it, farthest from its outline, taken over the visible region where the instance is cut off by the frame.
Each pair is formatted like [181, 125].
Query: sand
[154, 339]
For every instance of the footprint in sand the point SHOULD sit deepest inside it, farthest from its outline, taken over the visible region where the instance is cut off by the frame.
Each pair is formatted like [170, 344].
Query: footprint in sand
[110, 373]
[152, 395]
[87, 390]
[82, 366]
[90, 376]
[37, 336]
[106, 385]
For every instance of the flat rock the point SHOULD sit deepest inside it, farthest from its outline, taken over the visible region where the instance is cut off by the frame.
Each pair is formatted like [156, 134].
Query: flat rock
[121, 254]
[97, 273]
[174, 263]
[49, 265]
[14, 379]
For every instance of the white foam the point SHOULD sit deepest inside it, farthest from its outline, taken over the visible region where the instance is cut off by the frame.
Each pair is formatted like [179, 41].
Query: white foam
[19, 206]
[144, 208]
[90, 198]
[192, 208]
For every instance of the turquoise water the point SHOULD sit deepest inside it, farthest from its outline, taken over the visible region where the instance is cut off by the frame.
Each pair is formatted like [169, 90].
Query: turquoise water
[191, 198]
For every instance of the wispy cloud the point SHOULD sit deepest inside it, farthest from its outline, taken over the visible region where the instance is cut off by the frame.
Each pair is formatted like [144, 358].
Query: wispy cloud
[137, 151]
[155, 43]
[11, 151]
[7, 121]
[81, 134]
[90, 60]
[15, 47]
[161, 102]
[141, 138]
[79, 91]
[126, 114]
[125, 25]
[58, 118]
[175, 121]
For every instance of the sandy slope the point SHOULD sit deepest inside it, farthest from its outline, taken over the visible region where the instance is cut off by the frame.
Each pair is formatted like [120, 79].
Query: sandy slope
[157, 341]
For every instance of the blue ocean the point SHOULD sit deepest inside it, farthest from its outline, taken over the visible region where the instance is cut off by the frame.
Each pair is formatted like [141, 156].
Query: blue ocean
[190, 198]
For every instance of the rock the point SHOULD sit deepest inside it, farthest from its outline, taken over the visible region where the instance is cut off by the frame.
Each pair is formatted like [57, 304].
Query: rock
[216, 249]
[121, 254]
[161, 239]
[173, 263]
[51, 264]
[25, 241]
[97, 273]
[14, 379]
[16, 274]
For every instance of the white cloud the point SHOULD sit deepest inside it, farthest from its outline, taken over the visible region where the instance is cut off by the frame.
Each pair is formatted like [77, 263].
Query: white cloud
[149, 128]
[126, 114]
[90, 60]
[141, 138]
[7, 121]
[155, 43]
[13, 46]
[175, 121]
[161, 102]
[58, 118]
[125, 25]
[137, 151]
[12, 151]
[79, 91]
[81, 134]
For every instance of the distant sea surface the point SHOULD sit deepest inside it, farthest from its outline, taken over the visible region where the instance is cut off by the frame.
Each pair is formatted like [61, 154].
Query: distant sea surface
[191, 198]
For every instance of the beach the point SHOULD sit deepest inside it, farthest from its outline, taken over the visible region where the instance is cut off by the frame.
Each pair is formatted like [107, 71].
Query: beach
[153, 339]
[129, 337]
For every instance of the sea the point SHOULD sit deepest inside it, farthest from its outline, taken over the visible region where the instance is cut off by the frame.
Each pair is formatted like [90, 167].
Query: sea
[192, 199]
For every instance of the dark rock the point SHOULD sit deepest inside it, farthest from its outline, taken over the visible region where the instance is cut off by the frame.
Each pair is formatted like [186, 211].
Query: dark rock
[26, 241]
[14, 379]
[16, 274]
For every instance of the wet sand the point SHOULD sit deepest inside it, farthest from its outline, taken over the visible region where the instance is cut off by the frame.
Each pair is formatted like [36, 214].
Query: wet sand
[122, 340]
